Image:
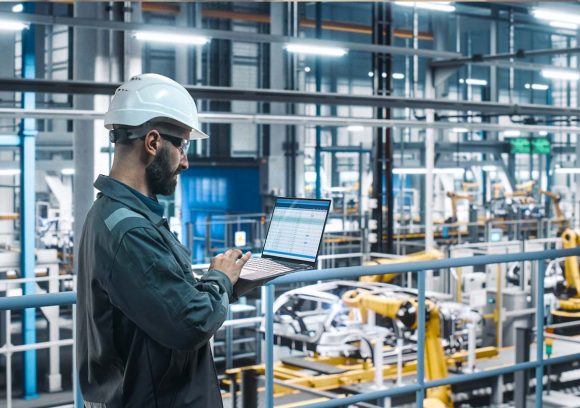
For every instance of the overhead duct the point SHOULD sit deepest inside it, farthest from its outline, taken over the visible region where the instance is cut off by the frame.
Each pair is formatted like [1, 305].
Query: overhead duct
[276, 95]
[259, 119]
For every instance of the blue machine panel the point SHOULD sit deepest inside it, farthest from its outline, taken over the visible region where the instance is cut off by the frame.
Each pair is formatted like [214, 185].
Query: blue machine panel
[216, 191]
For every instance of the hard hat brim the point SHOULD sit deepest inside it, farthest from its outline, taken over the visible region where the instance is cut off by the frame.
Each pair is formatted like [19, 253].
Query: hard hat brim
[197, 135]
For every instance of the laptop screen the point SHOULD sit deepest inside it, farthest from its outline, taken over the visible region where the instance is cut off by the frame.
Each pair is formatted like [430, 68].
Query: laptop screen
[296, 229]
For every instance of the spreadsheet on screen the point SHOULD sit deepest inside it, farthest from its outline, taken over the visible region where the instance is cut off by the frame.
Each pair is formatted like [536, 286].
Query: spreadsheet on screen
[296, 228]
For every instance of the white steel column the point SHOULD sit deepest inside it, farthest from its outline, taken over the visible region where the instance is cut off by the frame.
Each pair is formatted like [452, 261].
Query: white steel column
[133, 49]
[429, 180]
[276, 159]
[85, 42]
[429, 166]
[9, 126]
[52, 315]
[182, 51]
[577, 176]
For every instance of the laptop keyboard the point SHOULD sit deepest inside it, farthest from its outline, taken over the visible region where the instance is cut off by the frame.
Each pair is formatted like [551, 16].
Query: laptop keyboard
[257, 268]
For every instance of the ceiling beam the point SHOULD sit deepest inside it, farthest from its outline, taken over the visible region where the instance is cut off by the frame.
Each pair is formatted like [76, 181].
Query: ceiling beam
[274, 95]
[219, 34]
[520, 54]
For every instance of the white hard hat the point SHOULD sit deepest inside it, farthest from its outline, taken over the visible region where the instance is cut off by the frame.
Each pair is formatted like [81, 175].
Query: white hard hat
[149, 97]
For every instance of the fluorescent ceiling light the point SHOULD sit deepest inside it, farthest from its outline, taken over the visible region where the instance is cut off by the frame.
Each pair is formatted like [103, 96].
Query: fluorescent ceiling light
[568, 170]
[316, 50]
[152, 36]
[555, 16]
[460, 130]
[537, 87]
[543, 133]
[6, 25]
[560, 74]
[67, 172]
[561, 24]
[449, 170]
[398, 75]
[9, 172]
[489, 167]
[473, 81]
[18, 8]
[355, 128]
[435, 6]
[512, 133]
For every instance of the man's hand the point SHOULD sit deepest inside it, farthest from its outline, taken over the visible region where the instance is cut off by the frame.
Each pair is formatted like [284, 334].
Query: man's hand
[231, 263]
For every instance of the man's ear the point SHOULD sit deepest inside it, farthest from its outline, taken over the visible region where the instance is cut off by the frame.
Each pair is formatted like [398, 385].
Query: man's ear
[152, 142]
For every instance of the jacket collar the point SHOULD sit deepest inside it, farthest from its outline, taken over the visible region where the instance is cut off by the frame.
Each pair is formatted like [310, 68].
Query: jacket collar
[119, 192]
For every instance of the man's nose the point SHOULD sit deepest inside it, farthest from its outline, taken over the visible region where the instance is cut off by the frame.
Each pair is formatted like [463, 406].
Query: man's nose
[184, 163]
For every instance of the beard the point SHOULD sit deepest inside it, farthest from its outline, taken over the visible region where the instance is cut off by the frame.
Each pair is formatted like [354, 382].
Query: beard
[162, 179]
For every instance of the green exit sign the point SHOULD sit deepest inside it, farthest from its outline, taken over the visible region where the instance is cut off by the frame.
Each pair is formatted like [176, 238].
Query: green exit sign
[541, 146]
[537, 145]
[520, 145]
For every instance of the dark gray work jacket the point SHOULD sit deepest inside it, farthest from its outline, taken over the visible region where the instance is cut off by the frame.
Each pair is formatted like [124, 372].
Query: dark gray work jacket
[143, 320]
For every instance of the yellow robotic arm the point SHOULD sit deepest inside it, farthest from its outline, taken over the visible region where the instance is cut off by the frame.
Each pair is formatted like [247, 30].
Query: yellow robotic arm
[468, 187]
[569, 299]
[570, 239]
[455, 197]
[555, 203]
[528, 186]
[523, 190]
[405, 310]
[430, 255]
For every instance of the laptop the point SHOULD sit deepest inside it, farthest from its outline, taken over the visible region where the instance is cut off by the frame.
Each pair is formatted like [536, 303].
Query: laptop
[293, 239]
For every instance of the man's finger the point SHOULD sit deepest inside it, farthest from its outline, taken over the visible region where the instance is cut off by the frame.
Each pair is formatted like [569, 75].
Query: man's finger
[235, 253]
[245, 258]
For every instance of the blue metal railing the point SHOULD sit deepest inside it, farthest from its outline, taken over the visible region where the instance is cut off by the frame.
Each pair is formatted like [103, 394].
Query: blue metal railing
[68, 298]
[420, 267]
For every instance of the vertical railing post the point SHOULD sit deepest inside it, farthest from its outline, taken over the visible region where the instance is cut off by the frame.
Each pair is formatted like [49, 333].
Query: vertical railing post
[229, 338]
[269, 340]
[540, 309]
[8, 359]
[28, 134]
[420, 339]
[78, 396]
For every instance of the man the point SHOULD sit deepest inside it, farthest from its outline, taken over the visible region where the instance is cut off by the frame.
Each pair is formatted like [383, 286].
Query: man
[143, 320]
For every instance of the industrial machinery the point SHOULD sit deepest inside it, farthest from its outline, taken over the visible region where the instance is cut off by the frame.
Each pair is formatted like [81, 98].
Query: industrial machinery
[470, 187]
[317, 318]
[430, 255]
[455, 197]
[405, 311]
[523, 202]
[313, 318]
[331, 322]
[556, 198]
[568, 292]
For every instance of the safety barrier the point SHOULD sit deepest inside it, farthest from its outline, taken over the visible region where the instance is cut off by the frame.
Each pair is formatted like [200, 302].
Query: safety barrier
[421, 386]
[420, 268]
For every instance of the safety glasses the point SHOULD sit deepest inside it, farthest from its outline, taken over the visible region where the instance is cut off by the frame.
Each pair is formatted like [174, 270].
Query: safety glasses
[180, 143]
